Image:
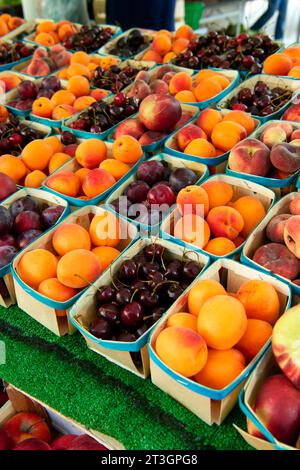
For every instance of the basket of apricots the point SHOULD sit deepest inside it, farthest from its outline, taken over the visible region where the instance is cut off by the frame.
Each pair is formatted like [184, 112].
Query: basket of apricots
[11, 26]
[118, 327]
[38, 159]
[203, 349]
[52, 272]
[217, 217]
[166, 45]
[211, 136]
[98, 167]
[273, 247]
[85, 64]
[286, 62]
[72, 97]
[205, 88]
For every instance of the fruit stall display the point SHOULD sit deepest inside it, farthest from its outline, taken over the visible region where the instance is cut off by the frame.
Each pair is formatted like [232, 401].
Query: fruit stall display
[276, 382]
[11, 26]
[231, 208]
[137, 300]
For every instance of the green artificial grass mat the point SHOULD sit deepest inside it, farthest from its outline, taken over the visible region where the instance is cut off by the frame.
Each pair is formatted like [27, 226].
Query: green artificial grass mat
[65, 374]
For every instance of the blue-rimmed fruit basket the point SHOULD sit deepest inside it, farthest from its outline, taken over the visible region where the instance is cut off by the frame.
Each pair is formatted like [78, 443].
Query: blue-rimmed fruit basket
[210, 405]
[240, 188]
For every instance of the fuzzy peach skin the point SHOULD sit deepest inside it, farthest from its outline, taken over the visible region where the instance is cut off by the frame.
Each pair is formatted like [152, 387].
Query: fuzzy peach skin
[275, 228]
[286, 157]
[225, 221]
[285, 344]
[273, 135]
[131, 127]
[292, 113]
[291, 235]
[250, 156]
[295, 205]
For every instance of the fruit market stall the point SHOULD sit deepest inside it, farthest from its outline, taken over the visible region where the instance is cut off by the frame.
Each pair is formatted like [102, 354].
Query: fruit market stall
[149, 232]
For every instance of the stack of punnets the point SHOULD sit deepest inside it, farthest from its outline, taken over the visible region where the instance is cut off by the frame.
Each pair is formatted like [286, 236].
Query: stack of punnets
[90, 318]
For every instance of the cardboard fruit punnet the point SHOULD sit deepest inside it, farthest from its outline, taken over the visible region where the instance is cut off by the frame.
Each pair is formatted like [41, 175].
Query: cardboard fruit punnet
[240, 188]
[266, 367]
[20, 401]
[43, 309]
[210, 405]
[84, 311]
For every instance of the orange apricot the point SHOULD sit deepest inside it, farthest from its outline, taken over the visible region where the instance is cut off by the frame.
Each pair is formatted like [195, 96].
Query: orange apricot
[90, 153]
[62, 97]
[64, 182]
[220, 246]
[115, 168]
[208, 119]
[83, 102]
[252, 211]
[105, 255]
[55, 290]
[222, 321]
[226, 134]
[207, 88]
[161, 44]
[96, 182]
[182, 349]
[278, 64]
[34, 179]
[37, 265]
[57, 160]
[43, 107]
[36, 155]
[105, 230]
[127, 149]
[184, 31]
[186, 320]
[79, 86]
[260, 300]
[242, 118]
[13, 167]
[78, 268]
[179, 82]
[201, 292]
[201, 148]
[255, 337]
[80, 57]
[180, 45]
[193, 229]
[219, 193]
[68, 237]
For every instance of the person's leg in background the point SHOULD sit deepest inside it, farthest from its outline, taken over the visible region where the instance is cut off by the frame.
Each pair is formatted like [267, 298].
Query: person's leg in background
[279, 31]
[273, 6]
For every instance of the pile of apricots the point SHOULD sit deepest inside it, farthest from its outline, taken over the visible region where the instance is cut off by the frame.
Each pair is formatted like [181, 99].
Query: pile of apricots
[286, 62]
[213, 133]
[220, 332]
[96, 172]
[214, 219]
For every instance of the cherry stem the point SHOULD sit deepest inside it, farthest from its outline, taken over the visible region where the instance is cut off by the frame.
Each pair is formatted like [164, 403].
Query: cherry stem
[134, 292]
[163, 283]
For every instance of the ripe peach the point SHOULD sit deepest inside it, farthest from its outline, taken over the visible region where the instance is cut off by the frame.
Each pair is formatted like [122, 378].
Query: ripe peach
[273, 135]
[225, 221]
[132, 127]
[189, 133]
[64, 182]
[193, 199]
[291, 234]
[159, 87]
[292, 113]
[278, 259]
[182, 349]
[275, 228]
[295, 205]
[295, 134]
[96, 182]
[250, 156]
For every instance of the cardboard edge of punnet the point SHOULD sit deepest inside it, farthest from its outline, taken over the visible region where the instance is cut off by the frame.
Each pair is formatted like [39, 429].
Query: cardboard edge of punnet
[266, 366]
[21, 401]
[212, 406]
[241, 188]
[40, 307]
[257, 238]
[83, 311]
